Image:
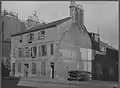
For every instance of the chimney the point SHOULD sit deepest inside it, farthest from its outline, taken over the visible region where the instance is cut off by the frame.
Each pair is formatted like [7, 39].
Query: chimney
[72, 9]
[77, 12]
[80, 14]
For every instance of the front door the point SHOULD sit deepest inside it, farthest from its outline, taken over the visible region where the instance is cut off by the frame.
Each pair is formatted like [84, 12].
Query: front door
[26, 66]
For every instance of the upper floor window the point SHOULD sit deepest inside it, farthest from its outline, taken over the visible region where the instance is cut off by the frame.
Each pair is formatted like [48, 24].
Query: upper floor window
[41, 34]
[20, 52]
[40, 51]
[26, 52]
[33, 51]
[14, 53]
[44, 50]
[51, 49]
[30, 37]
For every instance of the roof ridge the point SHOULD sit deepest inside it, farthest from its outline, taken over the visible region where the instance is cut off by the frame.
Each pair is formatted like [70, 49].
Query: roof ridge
[43, 26]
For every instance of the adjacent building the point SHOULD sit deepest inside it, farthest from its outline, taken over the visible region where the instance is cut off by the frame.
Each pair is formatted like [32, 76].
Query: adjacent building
[65, 43]
[105, 62]
[10, 24]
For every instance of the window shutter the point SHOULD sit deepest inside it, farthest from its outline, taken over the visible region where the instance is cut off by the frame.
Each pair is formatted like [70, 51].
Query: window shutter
[40, 50]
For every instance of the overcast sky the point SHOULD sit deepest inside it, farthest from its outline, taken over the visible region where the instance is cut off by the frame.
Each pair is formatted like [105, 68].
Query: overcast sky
[97, 14]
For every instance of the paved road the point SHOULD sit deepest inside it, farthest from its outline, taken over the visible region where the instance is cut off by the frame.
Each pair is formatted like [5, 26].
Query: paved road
[53, 85]
[11, 83]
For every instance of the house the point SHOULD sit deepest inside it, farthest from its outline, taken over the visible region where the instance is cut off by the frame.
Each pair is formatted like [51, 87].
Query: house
[109, 55]
[54, 48]
[10, 24]
[105, 59]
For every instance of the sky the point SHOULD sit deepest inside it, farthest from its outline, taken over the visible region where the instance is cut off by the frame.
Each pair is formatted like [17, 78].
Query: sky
[97, 14]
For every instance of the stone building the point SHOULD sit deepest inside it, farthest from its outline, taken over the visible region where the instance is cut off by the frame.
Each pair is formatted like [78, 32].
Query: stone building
[65, 43]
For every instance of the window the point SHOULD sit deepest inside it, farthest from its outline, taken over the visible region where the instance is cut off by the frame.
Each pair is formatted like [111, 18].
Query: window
[26, 52]
[19, 67]
[20, 52]
[30, 37]
[23, 52]
[43, 66]
[33, 68]
[44, 50]
[41, 35]
[33, 51]
[14, 53]
[51, 46]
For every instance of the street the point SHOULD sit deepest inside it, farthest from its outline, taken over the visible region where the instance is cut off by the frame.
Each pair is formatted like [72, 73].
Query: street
[82, 84]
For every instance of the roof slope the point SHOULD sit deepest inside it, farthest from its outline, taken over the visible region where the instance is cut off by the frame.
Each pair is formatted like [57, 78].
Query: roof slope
[44, 26]
[108, 46]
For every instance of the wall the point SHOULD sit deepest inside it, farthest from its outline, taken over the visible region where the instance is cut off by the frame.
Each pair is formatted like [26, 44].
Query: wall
[70, 49]
[109, 70]
[11, 26]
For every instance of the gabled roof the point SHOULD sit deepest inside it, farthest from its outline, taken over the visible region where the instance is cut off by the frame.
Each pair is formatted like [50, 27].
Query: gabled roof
[43, 26]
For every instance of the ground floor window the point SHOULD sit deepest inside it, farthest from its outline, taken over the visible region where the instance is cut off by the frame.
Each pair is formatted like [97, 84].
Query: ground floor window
[43, 66]
[19, 67]
[33, 68]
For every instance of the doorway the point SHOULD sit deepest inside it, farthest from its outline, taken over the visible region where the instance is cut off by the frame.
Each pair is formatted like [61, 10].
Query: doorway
[13, 69]
[26, 66]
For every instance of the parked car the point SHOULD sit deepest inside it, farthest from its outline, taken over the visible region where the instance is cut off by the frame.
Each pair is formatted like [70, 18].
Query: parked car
[79, 75]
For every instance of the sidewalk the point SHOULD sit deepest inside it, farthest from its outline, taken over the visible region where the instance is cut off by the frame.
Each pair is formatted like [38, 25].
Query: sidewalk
[66, 82]
[48, 80]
